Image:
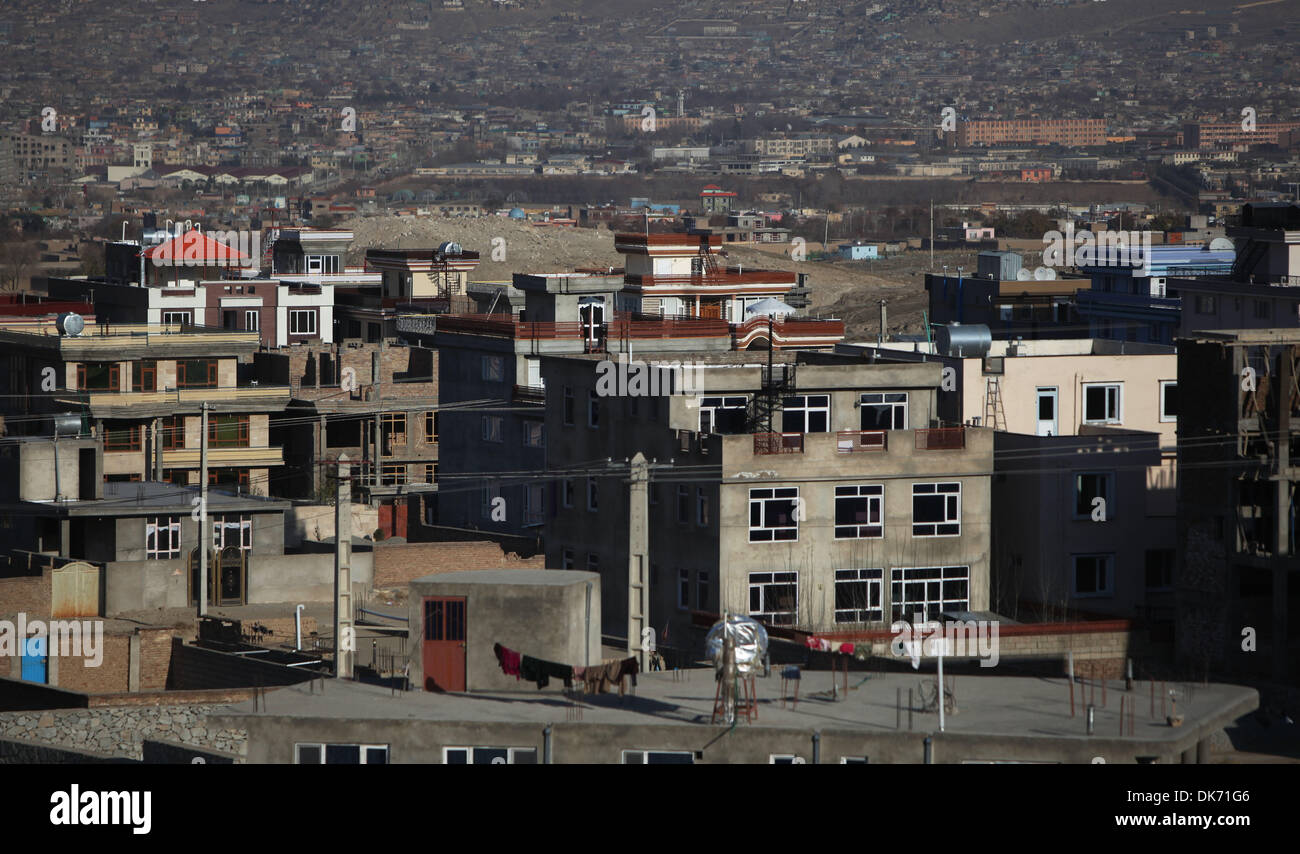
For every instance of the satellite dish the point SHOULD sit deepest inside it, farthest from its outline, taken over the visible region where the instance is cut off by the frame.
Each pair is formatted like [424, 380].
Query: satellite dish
[71, 324]
[1221, 244]
[1023, 275]
[1042, 274]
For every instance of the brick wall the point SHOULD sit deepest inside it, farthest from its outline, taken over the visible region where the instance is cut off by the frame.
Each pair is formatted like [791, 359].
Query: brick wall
[155, 658]
[110, 677]
[29, 594]
[399, 563]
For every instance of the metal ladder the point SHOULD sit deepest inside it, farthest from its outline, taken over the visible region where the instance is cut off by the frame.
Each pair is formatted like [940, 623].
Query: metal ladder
[994, 414]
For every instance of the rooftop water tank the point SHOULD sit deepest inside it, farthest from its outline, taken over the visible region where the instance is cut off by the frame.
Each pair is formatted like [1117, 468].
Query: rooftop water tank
[749, 637]
[969, 340]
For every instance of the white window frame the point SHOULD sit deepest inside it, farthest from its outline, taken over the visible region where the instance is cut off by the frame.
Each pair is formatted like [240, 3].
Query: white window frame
[154, 526]
[874, 578]
[296, 323]
[760, 581]
[1119, 403]
[642, 756]
[760, 498]
[361, 748]
[252, 320]
[180, 317]
[1166, 418]
[882, 399]
[903, 608]
[785, 759]
[874, 493]
[511, 754]
[1105, 592]
[245, 526]
[946, 488]
[808, 409]
[712, 404]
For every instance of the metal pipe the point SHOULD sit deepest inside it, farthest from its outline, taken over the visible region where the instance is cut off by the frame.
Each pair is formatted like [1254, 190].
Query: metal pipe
[546, 745]
[817, 748]
[929, 750]
[1092, 710]
[297, 624]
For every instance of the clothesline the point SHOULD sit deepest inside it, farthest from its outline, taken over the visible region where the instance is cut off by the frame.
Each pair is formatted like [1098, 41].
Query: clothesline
[817, 644]
[596, 678]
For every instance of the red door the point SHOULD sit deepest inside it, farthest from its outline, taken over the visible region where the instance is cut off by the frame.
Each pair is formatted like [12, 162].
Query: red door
[444, 643]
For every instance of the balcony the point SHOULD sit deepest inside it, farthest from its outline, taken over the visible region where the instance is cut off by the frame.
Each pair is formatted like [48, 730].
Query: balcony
[188, 458]
[778, 443]
[802, 332]
[850, 441]
[528, 394]
[941, 439]
[135, 401]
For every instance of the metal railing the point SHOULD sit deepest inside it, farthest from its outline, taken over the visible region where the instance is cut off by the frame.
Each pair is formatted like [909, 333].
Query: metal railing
[847, 441]
[778, 443]
[941, 439]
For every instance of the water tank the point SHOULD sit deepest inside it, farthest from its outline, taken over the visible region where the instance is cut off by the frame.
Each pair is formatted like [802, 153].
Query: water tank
[449, 248]
[969, 340]
[63, 424]
[751, 643]
[71, 324]
[518, 213]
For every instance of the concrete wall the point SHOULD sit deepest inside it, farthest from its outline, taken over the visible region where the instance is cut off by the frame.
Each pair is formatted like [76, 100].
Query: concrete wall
[121, 731]
[546, 620]
[316, 522]
[400, 563]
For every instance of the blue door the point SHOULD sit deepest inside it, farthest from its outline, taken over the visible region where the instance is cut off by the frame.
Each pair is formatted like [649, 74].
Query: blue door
[34, 660]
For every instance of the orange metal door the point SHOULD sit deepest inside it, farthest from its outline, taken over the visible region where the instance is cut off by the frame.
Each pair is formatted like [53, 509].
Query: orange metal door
[444, 643]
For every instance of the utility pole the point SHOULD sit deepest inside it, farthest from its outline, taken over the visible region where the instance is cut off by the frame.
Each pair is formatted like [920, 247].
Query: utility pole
[205, 527]
[932, 235]
[638, 553]
[344, 633]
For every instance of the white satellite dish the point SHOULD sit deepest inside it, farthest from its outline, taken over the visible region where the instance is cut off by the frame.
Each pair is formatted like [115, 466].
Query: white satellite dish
[1221, 244]
[1023, 275]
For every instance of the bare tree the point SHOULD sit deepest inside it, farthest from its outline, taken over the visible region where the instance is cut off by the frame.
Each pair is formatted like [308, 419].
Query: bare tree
[17, 260]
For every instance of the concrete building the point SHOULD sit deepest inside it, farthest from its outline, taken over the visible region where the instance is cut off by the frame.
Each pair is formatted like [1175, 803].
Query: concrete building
[816, 493]
[1067, 132]
[1011, 308]
[457, 617]
[1236, 501]
[140, 389]
[1211, 134]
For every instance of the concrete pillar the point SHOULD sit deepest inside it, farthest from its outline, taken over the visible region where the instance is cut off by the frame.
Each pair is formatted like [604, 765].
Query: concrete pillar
[1203, 752]
[133, 664]
[344, 633]
[51, 663]
[65, 537]
[1189, 756]
[638, 555]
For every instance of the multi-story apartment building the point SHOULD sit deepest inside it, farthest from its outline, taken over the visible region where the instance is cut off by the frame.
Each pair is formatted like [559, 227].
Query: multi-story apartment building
[141, 388]
[791, 146]
[1211, 134]
[1067, 132]
[40, 153]
[813, 492]
[1236, 587]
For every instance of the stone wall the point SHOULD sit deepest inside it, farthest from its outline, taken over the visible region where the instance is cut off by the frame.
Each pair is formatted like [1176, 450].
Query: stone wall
[121, 731]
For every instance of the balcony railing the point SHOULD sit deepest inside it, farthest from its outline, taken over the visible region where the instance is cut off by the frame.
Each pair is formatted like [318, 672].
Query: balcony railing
[941, 439]
[778, 443]
[848, 441]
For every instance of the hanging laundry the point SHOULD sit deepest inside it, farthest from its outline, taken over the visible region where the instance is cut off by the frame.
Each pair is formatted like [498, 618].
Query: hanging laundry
[600, 678]
[540, 671]
[508, 659]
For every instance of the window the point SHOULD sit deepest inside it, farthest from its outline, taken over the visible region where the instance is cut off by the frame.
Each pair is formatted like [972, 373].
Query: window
[392, 474]
[493, 428]
[430, 472]
[936, 509]
[774, 597]
[568, 406]
[929, 590]
[196, 373]
[394, 426]
[533, 436]
[493, 369]
[534, 504]
[430, 428]
[566, 558]
[1089, 486]
[702, 590]
[593, 495]
[98, 376]
[857, 595]
[252, 320]
[853, 760]
[887, 411]
[593, 410]
[1168, 400]
[162, 538]
[228, 431]
[566, 492]
[489, 756]
[683, 589]
[229, 477]
[302, 321]
[859, 511]
[773, 514]
[144, 376]
[658, 757]
[785, 759]
[232, 531]
[1092, 575]
[1263, 309]
[1101, 404]
[683, 504]
[183, 318]
[488, 499]
[806, 413]
[1160, 569]
[723, 414]
[593, 562]
[123, 437]
[341, 754]
[701, 507]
